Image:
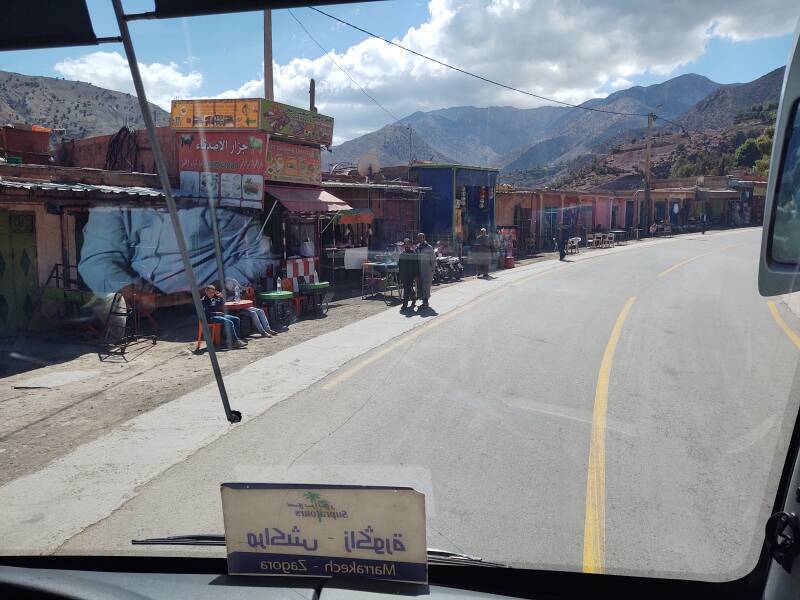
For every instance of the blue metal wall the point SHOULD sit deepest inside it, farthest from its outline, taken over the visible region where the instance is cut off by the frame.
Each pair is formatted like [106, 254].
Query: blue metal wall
[436, 209]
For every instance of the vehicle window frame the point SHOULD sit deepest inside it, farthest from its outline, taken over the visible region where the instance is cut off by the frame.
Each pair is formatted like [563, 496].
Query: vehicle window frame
[787, 134]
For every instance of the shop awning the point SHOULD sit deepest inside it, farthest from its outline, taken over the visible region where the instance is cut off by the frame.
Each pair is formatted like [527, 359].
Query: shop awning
[354, 215]
[301, 200]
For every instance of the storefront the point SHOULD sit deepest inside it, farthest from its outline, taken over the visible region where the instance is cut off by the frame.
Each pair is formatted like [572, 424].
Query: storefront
[460, 203]
[389, 212]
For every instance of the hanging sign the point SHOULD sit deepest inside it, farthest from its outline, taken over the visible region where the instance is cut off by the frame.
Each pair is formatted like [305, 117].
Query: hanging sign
[325, 531]
[290, 122]
[215, 114]
[227, 164]
[294, 163]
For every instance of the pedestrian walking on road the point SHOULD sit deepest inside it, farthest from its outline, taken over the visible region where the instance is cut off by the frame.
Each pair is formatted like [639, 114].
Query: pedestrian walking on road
[484, 252]
[408, 269]
[703, 223]
[563, 238]
[427, 264]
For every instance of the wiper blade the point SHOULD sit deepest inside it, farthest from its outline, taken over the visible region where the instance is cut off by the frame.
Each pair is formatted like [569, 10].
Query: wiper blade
[444, 557]
[435, 557]
[211, 539]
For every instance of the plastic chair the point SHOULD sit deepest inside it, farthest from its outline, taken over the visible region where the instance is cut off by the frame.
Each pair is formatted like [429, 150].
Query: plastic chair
[216, 334]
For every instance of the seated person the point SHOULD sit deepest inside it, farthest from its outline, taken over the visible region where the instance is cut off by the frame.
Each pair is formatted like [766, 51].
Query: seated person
[213, 303]
[257, 315]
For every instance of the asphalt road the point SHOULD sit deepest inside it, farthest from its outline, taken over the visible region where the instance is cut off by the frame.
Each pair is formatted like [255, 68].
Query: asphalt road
[654, 380]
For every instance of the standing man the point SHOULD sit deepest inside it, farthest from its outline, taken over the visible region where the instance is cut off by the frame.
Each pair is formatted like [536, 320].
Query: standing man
[703, 223]
[484, 244]
[427, 264]
[563, 238]
[408, 269]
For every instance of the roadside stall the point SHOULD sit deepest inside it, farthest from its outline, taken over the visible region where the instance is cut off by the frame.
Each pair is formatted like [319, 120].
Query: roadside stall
[263, 156]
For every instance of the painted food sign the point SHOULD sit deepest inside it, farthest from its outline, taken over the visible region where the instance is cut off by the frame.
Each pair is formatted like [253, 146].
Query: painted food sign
[215, 114]
[294, 123]
[293, 163]
[222, 164]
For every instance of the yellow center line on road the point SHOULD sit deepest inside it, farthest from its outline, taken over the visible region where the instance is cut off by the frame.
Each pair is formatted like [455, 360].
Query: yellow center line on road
[594, 524]
[416, 332]
[773, 308]
[688, 260]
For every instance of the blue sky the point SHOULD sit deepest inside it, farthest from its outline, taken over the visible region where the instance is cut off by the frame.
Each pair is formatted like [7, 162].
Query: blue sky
[533, 44]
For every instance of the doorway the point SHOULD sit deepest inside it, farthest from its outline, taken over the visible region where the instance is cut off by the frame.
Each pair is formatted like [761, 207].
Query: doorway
[549, 226]
[18, 270]
[629, 207]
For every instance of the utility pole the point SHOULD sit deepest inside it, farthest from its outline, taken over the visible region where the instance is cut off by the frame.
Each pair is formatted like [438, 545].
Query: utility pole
[268, 91]
[647, 200]
[312, 93]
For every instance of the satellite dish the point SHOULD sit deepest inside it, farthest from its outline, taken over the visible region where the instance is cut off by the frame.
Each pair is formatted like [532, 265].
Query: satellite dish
[368, 165]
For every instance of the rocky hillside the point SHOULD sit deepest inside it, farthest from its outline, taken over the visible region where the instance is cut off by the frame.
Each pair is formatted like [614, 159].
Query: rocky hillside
[391, 144]
[721, 108]
[82, 109]
[528, 138]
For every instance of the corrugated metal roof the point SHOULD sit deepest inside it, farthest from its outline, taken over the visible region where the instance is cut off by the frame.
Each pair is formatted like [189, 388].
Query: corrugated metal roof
[85, 188]
[381, 186]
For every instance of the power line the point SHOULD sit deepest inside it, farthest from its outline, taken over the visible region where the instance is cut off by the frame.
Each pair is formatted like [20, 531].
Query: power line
[470, 74]
[358, 85]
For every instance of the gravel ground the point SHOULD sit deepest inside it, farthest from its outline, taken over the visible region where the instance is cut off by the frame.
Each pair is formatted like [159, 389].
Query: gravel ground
[74, 395]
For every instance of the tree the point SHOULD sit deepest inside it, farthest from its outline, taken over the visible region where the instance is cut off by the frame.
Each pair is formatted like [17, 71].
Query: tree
[747, 154]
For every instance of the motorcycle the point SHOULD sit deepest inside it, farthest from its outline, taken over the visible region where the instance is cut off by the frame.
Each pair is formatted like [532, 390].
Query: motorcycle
[448, 268]
[456, 268]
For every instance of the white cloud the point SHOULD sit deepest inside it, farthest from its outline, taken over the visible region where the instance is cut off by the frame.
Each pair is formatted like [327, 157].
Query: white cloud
[162, 82]
[571, 50]
[620, 83]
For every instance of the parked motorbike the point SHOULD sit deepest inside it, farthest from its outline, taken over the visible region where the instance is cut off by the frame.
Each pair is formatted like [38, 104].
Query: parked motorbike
[448, 268]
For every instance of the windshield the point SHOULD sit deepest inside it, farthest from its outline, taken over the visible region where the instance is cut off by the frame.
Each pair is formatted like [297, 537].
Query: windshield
[502, 253]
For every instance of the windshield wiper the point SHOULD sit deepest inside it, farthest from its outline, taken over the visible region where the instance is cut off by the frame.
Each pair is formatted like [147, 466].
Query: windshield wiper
[210, 539]
[435, 557]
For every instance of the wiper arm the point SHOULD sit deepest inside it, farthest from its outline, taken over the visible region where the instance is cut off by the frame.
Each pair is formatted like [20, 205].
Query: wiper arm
[435, 557]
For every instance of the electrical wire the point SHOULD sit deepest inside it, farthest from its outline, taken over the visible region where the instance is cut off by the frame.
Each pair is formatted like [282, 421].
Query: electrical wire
[358, 85]
[476, 76]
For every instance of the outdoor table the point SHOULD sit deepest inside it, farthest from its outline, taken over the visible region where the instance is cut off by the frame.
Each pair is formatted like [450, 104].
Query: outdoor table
[315, 291]
[619, 236]
[278, 305]
[380, 277]
[236, 306]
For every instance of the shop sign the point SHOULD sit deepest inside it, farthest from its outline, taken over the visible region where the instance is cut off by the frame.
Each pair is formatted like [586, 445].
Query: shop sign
[325, 531]
[226, 164]
[293, 163]
[215, 114]
[294, 123]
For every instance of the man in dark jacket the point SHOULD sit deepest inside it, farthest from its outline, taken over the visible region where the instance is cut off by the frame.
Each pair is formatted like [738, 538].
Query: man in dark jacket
[408, 269]
[213, 305]
[484, 252]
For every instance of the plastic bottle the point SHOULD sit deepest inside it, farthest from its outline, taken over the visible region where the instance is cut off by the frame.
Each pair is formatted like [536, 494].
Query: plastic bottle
[237, 293]
[279, 286]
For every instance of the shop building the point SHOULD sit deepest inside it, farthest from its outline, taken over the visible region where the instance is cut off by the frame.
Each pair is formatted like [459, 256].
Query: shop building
[460, 202]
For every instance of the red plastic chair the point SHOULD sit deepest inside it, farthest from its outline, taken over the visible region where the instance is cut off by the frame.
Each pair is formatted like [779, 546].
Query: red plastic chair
[216, 334]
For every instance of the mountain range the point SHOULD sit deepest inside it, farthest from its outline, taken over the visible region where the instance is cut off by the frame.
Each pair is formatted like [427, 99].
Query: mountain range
[516, 140]
[82, 109]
